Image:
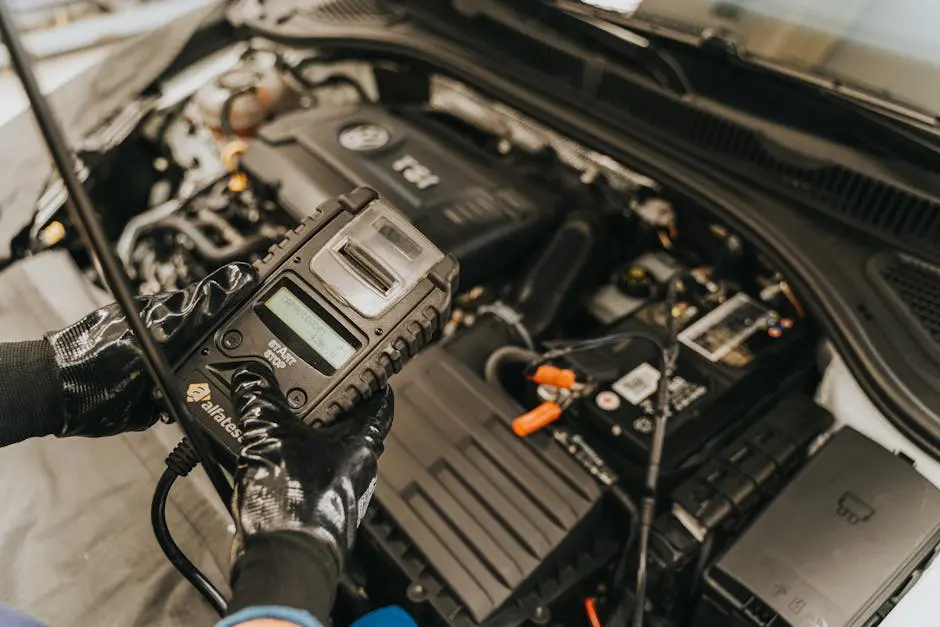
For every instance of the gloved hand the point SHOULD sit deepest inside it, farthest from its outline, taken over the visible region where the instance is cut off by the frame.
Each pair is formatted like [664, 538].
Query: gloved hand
[105, 387]
[300, 494]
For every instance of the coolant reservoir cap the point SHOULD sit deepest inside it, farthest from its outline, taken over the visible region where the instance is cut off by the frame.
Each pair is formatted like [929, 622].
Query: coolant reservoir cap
[635, 281]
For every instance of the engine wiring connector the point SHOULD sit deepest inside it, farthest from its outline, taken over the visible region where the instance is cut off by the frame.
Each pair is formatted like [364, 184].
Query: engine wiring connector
[554, 376]
[558, 389]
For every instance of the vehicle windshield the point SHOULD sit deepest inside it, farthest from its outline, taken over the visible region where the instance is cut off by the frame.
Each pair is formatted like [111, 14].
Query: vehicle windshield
[889, 47]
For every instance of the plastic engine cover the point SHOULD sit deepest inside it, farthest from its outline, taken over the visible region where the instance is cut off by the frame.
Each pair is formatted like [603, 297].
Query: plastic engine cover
[488, 512]
[454, 193]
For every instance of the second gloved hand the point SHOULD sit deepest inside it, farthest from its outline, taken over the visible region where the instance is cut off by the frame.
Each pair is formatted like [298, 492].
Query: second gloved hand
[300, 494]
[105, 388]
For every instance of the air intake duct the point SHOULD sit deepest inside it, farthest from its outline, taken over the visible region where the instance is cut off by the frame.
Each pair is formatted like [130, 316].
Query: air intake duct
[561, 274]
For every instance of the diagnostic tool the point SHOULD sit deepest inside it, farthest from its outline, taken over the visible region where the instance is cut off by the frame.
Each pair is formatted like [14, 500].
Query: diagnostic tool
[345, 300]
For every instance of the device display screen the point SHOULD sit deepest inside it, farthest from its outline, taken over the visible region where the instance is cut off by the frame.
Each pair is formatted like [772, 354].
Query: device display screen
[309, 327]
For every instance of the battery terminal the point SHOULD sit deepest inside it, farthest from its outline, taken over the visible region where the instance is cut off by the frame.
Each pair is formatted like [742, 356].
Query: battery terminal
[558, 388]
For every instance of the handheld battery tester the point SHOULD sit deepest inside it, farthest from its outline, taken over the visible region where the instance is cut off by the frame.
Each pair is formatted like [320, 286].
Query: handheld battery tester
[345, 300]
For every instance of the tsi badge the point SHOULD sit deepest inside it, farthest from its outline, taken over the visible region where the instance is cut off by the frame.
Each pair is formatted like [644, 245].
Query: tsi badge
[202, 394]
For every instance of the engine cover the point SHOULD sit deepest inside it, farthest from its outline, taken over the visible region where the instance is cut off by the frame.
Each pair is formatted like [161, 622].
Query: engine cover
[487, 527]
[452, 191]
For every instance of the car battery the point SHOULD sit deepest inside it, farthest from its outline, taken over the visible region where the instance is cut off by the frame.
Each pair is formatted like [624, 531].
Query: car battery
[735, 359]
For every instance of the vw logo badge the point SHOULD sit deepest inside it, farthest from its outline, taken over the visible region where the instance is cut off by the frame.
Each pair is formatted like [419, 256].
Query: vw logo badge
[363, 137]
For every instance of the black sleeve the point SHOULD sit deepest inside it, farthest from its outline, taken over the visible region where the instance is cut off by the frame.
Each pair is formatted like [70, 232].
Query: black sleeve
[31, 401]
[286, 568]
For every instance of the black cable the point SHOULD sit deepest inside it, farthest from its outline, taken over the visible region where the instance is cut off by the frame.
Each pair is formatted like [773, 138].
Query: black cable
[670, 62]
[705, 552]
[568, 347]
[629, 505]
[173, 553]
[667, 356]
[96, 241]
[179, 464]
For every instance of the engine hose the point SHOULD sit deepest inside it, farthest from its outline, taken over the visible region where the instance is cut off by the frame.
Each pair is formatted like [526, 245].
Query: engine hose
[225, 119]
[559, 276]
[208, 250]
[502, 355]
[228, 232]
[153, 216]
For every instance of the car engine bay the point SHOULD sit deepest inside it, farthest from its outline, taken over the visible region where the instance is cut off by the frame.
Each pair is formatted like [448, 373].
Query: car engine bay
[508, 494]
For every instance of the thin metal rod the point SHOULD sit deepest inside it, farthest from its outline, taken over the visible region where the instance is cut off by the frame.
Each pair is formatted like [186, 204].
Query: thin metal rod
[648, 508]
[83, 215]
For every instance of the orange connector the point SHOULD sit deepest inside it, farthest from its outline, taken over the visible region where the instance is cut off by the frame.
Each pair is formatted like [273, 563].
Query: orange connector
[550, 375]
[533, 420]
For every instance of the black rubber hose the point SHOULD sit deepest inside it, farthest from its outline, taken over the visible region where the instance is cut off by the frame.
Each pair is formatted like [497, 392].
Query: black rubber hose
[560, 275]
[503, 354]
[208, 250]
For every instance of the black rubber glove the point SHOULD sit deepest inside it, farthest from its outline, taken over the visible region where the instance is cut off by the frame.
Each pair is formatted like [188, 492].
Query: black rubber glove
[300, 494]
[105, 388]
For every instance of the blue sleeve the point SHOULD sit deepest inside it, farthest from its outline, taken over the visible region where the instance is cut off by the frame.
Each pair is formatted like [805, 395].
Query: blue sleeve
[385, 617]
[298, 617]
[9, 618]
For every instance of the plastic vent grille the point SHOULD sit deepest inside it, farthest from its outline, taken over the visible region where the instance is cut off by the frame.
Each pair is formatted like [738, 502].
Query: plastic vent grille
[877, 207]
[352, 11]
[917, 284]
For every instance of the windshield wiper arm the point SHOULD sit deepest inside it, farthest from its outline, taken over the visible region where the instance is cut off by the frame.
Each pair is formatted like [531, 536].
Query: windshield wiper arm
[642, 51]
[886, 119]
[651, 55]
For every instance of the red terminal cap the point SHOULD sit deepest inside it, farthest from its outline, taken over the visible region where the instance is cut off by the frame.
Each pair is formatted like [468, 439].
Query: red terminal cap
[533, 420]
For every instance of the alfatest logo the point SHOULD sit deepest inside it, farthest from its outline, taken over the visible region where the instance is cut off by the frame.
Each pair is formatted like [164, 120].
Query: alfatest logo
[199, 393]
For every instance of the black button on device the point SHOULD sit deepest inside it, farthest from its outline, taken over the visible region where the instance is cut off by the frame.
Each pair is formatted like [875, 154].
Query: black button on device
[231, 340]
[296, 398]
